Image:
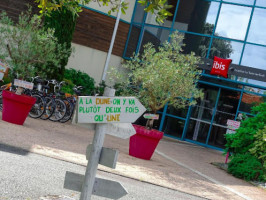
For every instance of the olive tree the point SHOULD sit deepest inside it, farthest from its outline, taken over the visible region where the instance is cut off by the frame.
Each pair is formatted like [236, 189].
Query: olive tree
[160, 75]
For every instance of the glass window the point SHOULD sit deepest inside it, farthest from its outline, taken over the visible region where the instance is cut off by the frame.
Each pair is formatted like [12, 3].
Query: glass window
[245, 2]
[261, 3]
[196, 16]
[233, 21]
[133, 41]
[139, 13]
[256, 90]
[156, 36]
[217, 136]
[226, 49]
[197, 44]
[177, 112]
[173, 126]
[203, 110]
[227, 106]
[150, 19]
[254, 56]
[250, 100]
[198, 131]
[252, 81]
[257, 33]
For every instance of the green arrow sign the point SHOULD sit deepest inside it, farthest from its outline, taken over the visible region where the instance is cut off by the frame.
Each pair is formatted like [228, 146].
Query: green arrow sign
[93, 109]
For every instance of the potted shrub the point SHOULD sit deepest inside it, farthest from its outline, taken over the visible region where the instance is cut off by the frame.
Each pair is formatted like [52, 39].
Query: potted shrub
[156, 77]
[24, 45]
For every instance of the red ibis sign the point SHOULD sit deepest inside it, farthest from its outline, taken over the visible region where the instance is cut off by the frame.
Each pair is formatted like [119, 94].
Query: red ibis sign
[220, 66]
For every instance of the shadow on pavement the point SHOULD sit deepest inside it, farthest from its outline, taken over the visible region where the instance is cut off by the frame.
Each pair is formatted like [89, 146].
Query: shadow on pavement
[13, 149]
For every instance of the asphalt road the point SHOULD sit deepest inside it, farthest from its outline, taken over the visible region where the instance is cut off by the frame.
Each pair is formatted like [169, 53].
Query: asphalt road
[28, 176]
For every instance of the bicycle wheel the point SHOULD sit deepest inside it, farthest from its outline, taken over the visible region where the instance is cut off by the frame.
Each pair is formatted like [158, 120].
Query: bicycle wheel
[50, 108]
[38, 108]
[60, 110]
[69, 112]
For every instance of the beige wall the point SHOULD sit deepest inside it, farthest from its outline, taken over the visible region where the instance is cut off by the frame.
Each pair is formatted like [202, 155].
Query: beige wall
[91, 61]
[105, 9]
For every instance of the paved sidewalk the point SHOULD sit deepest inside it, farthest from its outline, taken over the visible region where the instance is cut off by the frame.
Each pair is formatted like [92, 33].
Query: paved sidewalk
[176, 165]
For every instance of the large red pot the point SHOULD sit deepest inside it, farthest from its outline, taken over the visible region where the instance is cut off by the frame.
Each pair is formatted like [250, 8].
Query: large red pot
[16, 107]
[144, 142]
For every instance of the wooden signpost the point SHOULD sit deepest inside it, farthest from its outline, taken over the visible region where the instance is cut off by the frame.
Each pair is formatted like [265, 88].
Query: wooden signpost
[103, 111]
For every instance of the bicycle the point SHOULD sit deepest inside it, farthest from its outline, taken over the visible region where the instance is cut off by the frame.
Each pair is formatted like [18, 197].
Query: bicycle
[60, 108]
[71, 104]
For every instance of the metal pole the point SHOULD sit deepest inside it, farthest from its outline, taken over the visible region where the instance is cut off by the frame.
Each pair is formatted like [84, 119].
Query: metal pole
[112, 42]
[94, 158]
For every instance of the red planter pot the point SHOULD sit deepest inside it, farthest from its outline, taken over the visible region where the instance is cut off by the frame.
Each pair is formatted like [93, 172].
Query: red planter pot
[144, 142]
[16, 107]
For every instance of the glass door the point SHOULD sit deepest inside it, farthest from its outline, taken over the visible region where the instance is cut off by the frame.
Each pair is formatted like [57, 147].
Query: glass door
[226, 109]
[202, 114]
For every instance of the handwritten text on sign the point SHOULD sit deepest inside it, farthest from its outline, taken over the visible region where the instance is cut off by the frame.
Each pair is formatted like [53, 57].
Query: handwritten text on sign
[109, 109]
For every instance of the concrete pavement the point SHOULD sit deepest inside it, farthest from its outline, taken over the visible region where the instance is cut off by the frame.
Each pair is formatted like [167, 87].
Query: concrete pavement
[176, 165]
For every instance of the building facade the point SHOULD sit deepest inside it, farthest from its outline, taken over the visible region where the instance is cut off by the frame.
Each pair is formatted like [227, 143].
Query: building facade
[232, 29]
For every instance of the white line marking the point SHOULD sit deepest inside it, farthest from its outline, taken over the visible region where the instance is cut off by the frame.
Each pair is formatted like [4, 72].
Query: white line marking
[203, 175]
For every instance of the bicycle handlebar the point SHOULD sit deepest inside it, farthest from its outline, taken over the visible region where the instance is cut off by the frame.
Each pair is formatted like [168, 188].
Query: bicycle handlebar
[33, 78]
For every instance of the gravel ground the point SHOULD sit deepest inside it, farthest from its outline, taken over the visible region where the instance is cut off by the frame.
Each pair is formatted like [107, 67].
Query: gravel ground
[27, 176]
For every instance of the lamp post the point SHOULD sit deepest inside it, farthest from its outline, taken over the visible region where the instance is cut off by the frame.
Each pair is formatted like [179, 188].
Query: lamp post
[112, 42]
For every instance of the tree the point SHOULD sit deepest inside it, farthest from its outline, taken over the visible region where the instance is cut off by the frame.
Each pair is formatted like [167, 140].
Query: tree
[162, 76]
[220, 48]
[47, 6]
[27, 43]
[63, 22]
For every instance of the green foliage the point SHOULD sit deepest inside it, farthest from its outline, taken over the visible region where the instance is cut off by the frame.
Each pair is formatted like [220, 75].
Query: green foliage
[63, 22]
[27, 44]
[160, 77]
[7, 79]
[259, 149]
[247, 167]
[100, 88]
[243, 140]
[249, 139]
[48, 6]
[68, 87]
[158, 7]
[78, 78]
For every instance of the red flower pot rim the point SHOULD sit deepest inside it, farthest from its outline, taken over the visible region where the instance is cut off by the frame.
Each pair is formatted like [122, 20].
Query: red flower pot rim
[25, 99]
[153, 133]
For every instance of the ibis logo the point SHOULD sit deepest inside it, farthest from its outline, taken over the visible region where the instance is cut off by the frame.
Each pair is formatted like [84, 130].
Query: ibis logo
[220, 66]
[217, 65]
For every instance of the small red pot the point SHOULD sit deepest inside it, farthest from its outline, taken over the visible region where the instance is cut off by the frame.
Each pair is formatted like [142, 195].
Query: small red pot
[144, 142]
[16, 107]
